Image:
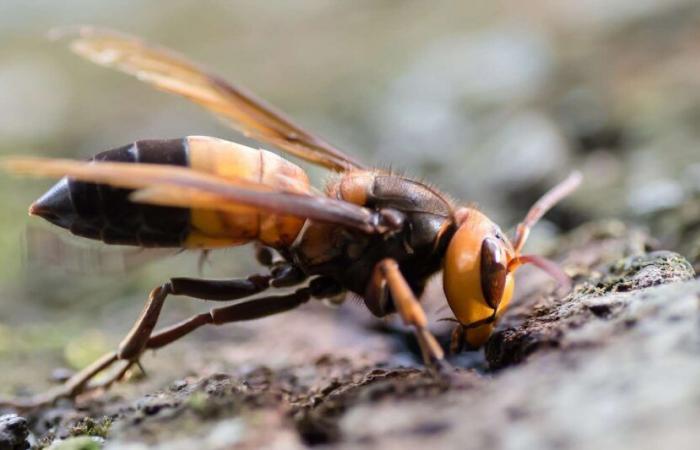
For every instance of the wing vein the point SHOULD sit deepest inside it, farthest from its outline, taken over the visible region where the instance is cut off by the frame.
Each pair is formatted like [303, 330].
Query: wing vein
[167, 185]
[171, 72]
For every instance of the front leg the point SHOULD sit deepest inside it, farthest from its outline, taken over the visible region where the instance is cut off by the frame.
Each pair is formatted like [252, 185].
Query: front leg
[387, 275]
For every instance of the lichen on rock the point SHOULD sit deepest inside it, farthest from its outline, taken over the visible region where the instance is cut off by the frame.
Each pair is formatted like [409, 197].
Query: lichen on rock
[545, 321]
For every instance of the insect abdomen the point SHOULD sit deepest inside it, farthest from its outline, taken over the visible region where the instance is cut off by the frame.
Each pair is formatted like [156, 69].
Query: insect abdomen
[227, 159]
[105, 213]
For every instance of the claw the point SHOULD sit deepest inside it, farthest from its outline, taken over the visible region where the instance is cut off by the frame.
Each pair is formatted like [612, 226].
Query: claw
[450, 376]
[442, 368]
[141, 368]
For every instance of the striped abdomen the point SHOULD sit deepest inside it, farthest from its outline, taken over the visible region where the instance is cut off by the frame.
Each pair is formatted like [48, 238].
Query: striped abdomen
[105, 213]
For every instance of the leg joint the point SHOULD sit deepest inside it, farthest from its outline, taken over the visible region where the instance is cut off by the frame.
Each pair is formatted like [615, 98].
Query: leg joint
[387, 265]
[324, 287]
[286, 275]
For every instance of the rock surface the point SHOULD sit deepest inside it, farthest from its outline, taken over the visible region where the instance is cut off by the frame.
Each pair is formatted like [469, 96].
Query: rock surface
[613, 364]
[492, 104]
[622, 379]
[13, 432]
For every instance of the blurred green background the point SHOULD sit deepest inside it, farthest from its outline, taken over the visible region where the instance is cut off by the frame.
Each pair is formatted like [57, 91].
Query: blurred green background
[492, 101]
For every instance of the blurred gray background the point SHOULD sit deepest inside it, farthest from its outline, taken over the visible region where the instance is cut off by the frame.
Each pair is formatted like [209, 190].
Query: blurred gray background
[491, 101]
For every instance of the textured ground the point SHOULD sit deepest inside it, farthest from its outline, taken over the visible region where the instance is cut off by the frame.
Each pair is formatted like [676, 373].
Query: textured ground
[611, 365]
[492, 101]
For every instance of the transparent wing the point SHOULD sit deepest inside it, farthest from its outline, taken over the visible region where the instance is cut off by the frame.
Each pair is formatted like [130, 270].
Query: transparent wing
[50, 248]
[170, 72]
[179, 186]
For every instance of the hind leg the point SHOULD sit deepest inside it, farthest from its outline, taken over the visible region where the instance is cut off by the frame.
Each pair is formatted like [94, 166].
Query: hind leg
[138, 337]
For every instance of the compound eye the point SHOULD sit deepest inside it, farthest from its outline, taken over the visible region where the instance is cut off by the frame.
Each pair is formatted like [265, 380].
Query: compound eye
[493, 272]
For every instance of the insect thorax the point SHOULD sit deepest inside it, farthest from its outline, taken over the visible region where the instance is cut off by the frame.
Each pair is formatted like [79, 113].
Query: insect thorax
[350, 256]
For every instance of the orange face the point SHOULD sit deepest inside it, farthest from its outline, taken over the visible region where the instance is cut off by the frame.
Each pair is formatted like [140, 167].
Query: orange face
[476, 279]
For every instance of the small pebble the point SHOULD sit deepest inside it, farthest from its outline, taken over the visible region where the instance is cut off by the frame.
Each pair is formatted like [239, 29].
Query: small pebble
[13, 432]
[178, 385]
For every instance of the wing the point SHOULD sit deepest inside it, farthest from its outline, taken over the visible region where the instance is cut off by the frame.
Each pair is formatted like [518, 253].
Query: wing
[168, 185]
[172, 73]
[45, 247]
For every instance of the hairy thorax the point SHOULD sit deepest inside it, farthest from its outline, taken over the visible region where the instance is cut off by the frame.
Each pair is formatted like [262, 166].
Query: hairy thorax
[350, 256]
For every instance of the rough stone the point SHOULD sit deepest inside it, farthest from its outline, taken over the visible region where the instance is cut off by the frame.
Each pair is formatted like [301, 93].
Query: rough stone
[14, 432]
[612, 364]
